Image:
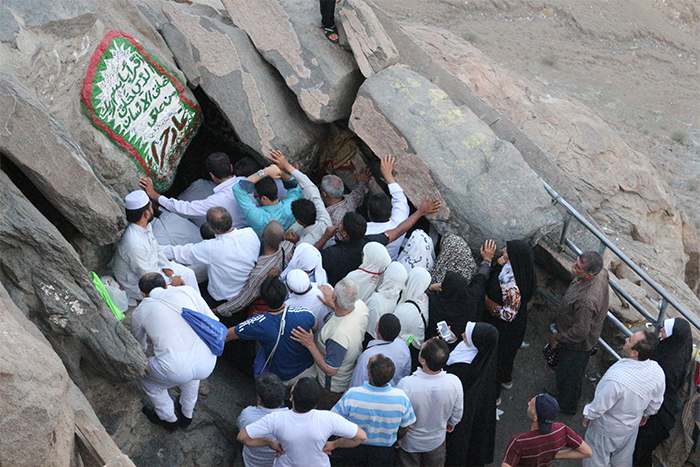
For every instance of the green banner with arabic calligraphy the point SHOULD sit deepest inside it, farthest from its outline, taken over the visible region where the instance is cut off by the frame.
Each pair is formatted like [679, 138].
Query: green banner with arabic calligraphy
[140, 105]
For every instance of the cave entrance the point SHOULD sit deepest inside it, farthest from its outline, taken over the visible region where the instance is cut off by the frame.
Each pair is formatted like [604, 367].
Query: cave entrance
[37, 198]
[215, 135]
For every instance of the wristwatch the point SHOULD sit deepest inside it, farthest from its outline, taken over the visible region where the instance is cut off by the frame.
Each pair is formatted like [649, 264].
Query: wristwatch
[261, 173]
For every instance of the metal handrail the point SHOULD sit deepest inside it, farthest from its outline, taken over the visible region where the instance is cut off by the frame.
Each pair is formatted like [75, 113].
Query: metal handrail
[605, 243]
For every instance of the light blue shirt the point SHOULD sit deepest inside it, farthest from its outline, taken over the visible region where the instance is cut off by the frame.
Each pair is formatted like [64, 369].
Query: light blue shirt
[396, 350]
[378, 411]
[259, 216]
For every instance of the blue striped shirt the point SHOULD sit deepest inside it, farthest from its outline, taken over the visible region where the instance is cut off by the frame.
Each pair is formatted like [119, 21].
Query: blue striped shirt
[378, 411]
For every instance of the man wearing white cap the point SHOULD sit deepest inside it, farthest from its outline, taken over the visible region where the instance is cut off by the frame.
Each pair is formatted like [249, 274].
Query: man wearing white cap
[302, 293]
[139, 253]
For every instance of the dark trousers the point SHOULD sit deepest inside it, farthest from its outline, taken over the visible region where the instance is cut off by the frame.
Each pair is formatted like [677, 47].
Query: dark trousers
[648, 438]
[328, 13]
[364, 456]
[570, 372]
[328, 399]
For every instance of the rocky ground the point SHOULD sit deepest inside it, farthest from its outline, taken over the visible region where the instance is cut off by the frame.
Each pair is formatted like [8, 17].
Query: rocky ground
[634, 63]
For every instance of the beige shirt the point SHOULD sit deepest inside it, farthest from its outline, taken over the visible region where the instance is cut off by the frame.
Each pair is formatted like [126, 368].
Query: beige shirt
[342, 332]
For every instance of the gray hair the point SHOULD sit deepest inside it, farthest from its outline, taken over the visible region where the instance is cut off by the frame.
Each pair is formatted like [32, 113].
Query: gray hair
[347, 293]
[592, 262]
[333, 186]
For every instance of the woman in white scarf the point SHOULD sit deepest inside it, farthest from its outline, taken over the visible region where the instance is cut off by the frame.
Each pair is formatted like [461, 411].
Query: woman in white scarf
[308, 259]
[375, 260]
[418, 252]
[412, 310]
[386, 297]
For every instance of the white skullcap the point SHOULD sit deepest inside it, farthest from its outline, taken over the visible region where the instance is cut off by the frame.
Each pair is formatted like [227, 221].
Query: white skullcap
[668, 326]
[136, 200]
[298, 281]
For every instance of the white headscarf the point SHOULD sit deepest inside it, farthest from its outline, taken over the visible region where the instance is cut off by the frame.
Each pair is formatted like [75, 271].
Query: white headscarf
[668, 326]
[411, 322]
[384, 300]
[307, 258]
[418, 252]
[375, 260]
[416, 285]
[465, 350]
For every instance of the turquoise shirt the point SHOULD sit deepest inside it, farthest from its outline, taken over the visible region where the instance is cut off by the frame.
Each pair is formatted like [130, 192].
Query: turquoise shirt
[259, 216]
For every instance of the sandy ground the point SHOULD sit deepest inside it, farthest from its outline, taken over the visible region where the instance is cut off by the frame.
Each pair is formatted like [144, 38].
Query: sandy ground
[635, 63]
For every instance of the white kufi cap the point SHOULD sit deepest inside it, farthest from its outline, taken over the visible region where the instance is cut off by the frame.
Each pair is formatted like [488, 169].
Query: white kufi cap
[136, 200]
[298, 281]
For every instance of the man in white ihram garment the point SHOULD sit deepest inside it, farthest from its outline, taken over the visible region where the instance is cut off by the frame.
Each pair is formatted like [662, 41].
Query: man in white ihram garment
[230, 256]
[181, 356]
[629, 392]
[139, 253]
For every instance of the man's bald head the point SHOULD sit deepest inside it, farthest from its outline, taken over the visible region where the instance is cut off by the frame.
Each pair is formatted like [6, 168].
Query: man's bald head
[273, 234]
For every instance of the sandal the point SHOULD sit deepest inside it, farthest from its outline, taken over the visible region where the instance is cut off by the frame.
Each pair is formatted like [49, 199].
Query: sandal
[330, 32]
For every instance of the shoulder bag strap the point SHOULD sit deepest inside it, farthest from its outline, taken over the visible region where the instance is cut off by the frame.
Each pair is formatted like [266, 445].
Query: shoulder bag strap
[279, 336]
[425, 325]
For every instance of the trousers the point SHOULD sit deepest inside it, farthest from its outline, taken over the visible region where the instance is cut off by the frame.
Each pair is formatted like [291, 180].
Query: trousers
[156, 384]
[615, 451]
[328, 13]
[570, 372]
[434, 458]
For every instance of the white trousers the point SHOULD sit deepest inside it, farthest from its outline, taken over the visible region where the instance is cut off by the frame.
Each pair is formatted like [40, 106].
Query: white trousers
[615, 451]
[156, 384]
[187, 274]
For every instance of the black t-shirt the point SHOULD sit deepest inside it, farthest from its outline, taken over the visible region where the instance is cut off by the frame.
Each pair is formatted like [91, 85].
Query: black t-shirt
[344, 257]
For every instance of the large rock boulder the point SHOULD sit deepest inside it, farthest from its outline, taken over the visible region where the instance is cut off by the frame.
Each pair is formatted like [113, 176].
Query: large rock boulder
[36, 425]
[47, 281]
[571, 148]
[247, 90]
[371, 45]
[287, 33]
[50, 49]
[39, 404]
[442, 149]
[44, 151]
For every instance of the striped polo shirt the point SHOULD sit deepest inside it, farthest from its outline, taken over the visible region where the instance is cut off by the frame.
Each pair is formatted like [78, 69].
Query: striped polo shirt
[534, 449]
[378, 411]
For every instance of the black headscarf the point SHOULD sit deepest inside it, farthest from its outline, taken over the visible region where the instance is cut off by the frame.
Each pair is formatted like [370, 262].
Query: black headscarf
[523, 264]
[460, 301]
[473, 440]
[673, 355]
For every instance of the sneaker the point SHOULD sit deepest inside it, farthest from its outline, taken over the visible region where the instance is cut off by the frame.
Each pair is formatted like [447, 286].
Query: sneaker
[498, 402]
[508, 385]
[153, 417]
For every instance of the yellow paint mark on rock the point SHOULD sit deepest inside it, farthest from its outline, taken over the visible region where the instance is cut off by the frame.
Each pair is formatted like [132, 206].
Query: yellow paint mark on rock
[474, 140]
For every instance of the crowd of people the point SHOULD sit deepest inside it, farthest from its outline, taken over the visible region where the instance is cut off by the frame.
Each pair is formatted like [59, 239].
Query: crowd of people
[367, 349]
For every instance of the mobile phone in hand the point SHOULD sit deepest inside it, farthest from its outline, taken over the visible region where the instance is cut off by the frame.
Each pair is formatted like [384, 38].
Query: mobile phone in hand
[444, 331]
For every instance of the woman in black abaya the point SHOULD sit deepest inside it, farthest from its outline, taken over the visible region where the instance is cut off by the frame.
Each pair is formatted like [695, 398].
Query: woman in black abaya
[510, 287]
[458, 299]
[673, 355]
[473, 361]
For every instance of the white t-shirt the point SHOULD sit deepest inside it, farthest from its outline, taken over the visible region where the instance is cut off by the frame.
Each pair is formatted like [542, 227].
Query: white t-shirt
[302, 435]
[437, 401]
[257, 456]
